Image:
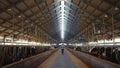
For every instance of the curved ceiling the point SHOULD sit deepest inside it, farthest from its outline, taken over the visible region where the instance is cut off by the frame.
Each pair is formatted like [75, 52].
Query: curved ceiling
[40, 20]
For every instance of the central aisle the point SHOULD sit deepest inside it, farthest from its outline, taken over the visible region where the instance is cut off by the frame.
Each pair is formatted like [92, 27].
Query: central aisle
[67, 60]
[63, 61]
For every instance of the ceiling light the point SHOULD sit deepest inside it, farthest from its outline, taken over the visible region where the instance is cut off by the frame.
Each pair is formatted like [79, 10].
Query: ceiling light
[105, 15]
[116, 8]
[9, 9]
[19, 16]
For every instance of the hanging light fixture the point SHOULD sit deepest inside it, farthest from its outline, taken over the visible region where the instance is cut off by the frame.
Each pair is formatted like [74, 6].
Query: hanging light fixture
[116, 8]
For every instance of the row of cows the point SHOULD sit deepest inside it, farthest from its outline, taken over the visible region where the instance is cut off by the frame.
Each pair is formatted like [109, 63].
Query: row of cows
[110, 53]
[10, 54]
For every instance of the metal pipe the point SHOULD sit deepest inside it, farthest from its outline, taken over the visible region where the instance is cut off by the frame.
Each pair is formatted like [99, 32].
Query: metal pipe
[113, 34]
[11, 11]
[104, 31]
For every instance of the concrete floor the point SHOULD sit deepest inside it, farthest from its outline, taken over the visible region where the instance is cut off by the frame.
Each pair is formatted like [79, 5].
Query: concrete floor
[67, 60]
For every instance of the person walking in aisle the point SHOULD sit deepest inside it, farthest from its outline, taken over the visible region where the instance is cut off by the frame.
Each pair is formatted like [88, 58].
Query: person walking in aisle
[62, 49]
